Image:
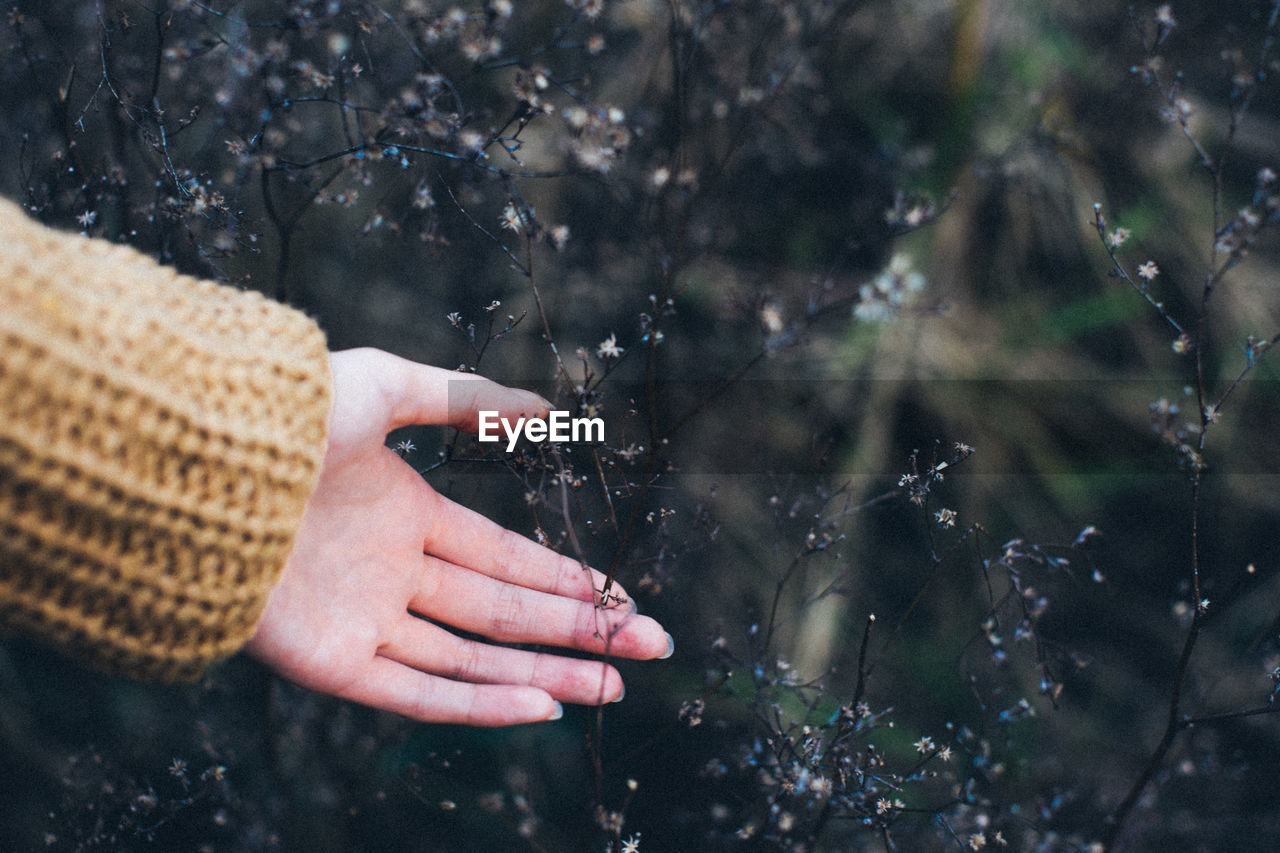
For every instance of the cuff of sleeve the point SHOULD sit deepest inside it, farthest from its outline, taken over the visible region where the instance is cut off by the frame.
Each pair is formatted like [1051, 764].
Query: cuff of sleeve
[159, 439]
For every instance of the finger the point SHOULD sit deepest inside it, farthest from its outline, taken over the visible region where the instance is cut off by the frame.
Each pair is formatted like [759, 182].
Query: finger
[466, 538]
[421, 394]
[392, 686]
[512, 614]
[430, 648]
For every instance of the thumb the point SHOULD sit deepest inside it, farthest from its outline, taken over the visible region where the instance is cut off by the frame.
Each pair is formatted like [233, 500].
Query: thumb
[418, 394]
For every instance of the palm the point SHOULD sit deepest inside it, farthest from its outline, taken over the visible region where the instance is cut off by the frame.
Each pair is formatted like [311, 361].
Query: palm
[378, 550]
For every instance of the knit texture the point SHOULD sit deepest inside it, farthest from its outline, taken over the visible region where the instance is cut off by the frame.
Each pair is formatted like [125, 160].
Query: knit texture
[159, 438]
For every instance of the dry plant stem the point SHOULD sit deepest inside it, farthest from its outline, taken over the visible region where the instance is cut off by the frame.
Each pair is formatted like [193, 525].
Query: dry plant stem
[354, 148]
[1118, 271]
[651, 458]
[286, 226]
[526, 270]
[906, 614]
[569, 526]
[1213, 719]
[1235, 383]
[604, 487]
[515, 262]
[778, 586]
[593, 737]
[781, 584]
[1174, 723]
[978, 531]
[859, 690]
[1175, 720]
[864, 671]
[593, 724]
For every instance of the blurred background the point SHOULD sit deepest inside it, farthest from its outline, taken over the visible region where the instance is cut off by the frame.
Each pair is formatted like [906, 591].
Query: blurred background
[837, 244]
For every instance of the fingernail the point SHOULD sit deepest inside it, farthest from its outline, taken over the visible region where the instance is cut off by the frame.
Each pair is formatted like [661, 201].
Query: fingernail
[621, 695]
[671, 648]
[556, 713]
[635, 608]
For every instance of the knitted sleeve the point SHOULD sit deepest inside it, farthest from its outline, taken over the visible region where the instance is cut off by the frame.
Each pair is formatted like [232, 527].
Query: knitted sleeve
[159, 437]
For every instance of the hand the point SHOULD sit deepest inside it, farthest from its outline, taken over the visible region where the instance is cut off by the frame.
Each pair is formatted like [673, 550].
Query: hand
[379, 553]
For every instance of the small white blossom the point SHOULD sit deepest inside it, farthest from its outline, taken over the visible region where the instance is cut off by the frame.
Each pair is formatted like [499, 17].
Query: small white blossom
[881, 299]
[559, 236]
[510, 218]
[945, 517]
[609, 348]
[1148, 271]
[87, 218]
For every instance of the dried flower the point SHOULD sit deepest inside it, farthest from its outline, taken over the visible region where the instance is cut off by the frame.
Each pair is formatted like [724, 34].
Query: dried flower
[609, 348]
[882, 298]
[511, 219]
[559, 237]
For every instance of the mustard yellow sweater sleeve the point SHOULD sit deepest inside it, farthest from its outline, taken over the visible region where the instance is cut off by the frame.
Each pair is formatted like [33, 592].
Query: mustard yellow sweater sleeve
[159, 437]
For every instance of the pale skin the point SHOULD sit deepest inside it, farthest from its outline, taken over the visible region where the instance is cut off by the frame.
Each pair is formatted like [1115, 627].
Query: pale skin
[379, 549]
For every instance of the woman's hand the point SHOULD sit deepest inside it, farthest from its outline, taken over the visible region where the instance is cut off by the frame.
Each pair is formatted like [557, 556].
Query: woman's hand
[381, 561]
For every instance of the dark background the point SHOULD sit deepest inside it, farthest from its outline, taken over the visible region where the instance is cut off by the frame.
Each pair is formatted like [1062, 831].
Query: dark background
[749, 176]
